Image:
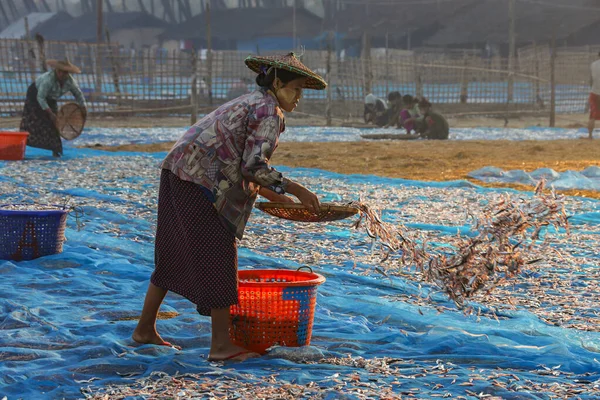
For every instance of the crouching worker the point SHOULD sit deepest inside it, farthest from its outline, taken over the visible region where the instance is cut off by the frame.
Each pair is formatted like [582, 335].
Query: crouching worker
[433, 125]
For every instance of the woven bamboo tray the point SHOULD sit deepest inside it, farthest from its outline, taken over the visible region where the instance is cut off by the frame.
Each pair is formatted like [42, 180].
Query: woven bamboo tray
[70, 120]
[298, 212]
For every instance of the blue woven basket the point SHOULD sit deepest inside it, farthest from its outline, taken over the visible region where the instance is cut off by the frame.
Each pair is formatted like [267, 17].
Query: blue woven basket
[29, 234]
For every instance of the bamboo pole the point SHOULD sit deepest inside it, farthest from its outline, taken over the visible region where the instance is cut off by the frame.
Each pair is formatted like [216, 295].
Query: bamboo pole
[368, 73]
[511, 49]
[464, 80]
[194, 96]
[553, 82]
[328, 67]
[30, 51]
[536, 83]
[418, 79]
[41, 52]
[115, 68]
[209, 65]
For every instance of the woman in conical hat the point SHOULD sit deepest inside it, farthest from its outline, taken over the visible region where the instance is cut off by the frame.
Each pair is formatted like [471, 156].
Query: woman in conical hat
[39, 113]
[209, 182]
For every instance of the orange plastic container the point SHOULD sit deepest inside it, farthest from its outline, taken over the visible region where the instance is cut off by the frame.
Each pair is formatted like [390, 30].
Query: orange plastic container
[276, 307]
[12, 145]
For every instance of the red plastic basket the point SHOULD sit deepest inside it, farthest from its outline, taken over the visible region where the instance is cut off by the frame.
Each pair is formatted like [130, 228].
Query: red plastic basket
[12, 145]
[276, 307]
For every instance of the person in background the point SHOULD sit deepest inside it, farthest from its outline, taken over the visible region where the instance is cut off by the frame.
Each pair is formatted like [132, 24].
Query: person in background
[594, 98]
[209, 182]
[393, 113]
[375, 110]
[39, 113]
[408, 115]
[433, 125]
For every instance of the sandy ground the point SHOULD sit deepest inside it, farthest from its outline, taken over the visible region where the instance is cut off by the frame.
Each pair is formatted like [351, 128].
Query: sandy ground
[562, 121]
[419, 160]
[296, 119]
[430, 160]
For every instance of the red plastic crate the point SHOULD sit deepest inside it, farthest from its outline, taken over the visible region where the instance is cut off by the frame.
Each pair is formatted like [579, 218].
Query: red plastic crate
[12, 145]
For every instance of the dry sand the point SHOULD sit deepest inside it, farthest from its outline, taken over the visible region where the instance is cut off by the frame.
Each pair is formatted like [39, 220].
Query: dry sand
[430, 160]
[296, 119]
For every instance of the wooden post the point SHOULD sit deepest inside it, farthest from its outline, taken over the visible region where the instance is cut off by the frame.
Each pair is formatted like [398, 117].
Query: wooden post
[511, 49]
[536, 84]
[98, 41]
[328, 78]
[591, 82]
[294, 25]
[209, 65]
[387, 64]
[368, 74]
[464, 81]
[553, 82]
[30, 51]
[115, 68]
[41, 51]
[418, 80]
[194, 94]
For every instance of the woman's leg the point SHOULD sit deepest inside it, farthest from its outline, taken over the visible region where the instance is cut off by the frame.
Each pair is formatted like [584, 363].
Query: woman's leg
[221, 347]
[145, 332]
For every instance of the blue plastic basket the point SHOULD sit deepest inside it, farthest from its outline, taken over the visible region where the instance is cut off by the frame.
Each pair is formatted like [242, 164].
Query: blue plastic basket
[29, 234]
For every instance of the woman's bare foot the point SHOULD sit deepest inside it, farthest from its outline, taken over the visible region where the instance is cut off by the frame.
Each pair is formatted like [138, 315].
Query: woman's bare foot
[150, 337]
[231, 352]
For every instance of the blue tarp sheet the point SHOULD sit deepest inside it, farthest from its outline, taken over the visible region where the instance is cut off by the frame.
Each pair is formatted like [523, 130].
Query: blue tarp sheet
[67, 318]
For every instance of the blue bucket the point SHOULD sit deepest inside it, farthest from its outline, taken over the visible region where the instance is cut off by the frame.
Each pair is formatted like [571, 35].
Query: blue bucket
[29, 234]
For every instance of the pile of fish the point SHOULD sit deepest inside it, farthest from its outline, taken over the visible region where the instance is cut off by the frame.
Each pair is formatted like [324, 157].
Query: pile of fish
[503, 236]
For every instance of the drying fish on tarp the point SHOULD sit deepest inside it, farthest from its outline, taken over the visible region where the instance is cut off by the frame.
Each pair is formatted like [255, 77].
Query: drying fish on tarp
[495, 252]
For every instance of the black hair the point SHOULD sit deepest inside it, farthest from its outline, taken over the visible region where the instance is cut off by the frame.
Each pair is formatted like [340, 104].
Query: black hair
[266, 80]
[424, 102]
[394, 95]
[407, 99]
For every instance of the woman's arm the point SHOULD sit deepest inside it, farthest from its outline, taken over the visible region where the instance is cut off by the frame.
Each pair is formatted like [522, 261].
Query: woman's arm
[272, 196]
[76, 92]
[260, 144]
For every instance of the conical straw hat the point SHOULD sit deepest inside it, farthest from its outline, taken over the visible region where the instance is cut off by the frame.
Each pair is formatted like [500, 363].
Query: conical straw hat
[290, 63]
[64, 66]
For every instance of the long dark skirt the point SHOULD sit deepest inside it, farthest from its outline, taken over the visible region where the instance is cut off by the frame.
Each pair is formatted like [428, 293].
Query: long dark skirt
[195, 254]
[42, 132]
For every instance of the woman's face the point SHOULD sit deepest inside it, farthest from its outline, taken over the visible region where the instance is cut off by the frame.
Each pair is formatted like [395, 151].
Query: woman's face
[61, 75]
[289, 94]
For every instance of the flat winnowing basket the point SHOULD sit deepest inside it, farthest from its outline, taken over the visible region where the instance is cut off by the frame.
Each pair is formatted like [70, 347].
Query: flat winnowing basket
[298, 212]
[70, 120]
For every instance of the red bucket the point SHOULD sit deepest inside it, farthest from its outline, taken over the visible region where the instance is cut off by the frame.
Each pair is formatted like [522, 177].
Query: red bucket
[276, 307]
[12, 145]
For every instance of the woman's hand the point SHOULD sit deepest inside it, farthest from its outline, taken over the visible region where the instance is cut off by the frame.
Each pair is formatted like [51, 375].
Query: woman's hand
[52, 116]
[309, 199]
[306, 197]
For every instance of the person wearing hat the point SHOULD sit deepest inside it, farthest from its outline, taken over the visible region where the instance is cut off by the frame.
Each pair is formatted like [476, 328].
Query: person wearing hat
[39, 113]
[209, 182]
[433, 125]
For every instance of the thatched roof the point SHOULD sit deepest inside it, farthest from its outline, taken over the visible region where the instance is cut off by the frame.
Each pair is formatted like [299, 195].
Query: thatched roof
[396, 19]
[536, 21]
[248, 23]
[83, 28]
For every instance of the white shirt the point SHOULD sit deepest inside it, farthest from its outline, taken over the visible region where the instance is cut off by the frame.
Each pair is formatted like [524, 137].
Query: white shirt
[595, 69]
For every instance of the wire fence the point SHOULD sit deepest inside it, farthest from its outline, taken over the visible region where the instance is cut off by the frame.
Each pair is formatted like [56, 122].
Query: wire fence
[156, 81]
